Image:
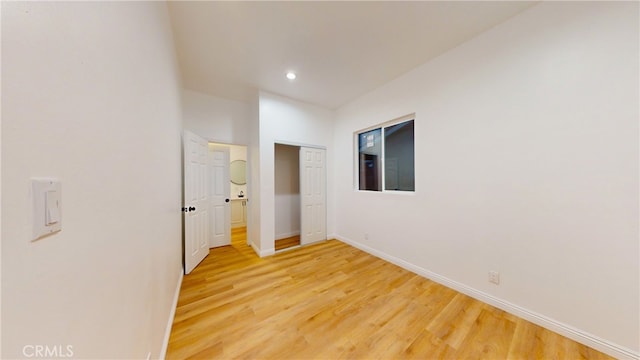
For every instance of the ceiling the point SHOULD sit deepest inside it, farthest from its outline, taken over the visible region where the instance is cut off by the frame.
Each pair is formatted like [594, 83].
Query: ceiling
[339, 50]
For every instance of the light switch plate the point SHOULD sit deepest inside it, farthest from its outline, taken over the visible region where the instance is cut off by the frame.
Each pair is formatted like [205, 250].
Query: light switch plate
[46, 197]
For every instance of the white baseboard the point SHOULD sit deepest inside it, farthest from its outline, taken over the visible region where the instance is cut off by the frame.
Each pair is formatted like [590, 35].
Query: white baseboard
[172, 314]
[287, 235]
[263, 253]
[569, 331]
[267, 252]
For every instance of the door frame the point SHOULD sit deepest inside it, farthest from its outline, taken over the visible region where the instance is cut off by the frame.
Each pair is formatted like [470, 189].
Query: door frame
[183, 190]
[212, 141]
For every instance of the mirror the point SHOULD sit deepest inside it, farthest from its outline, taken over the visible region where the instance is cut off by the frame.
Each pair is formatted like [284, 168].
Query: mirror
[238, 172]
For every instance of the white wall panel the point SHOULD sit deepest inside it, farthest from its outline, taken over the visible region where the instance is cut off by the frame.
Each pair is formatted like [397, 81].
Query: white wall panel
[90, 95]
[526, 163]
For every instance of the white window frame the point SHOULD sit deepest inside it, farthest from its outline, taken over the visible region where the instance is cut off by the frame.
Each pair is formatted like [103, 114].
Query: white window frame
[356, 155]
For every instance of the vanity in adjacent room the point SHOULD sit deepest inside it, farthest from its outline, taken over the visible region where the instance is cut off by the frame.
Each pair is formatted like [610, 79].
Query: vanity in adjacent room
[237, 174]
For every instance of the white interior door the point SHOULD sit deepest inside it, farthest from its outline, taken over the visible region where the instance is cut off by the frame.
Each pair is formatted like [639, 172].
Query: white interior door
[220, 225]
[196, 201]
[313, 195]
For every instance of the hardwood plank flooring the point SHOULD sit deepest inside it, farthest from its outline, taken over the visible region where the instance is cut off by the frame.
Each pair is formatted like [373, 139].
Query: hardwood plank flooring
[333, 301]
[287, 242]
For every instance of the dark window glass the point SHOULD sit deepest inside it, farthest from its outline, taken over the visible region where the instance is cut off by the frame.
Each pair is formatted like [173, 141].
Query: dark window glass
[389, 165]
[399, 157]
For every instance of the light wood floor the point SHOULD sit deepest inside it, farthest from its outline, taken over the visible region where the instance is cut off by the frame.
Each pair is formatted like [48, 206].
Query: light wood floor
[332, 301]
[287, 242]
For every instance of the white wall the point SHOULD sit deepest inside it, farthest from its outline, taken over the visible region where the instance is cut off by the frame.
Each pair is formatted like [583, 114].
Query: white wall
[216, 119]
[287, 191]
[282, 120]
[526, 163]
[254, 222]
[90, 95]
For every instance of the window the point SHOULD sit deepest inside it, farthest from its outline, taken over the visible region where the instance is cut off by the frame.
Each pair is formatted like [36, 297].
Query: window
[386, 157]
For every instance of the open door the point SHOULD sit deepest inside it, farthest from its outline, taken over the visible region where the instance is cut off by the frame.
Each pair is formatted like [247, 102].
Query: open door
[220, 225]
[313, 195]
[196, 206]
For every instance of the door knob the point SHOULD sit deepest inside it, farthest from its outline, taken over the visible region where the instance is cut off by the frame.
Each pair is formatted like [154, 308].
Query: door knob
[191, 208]
[226, 200]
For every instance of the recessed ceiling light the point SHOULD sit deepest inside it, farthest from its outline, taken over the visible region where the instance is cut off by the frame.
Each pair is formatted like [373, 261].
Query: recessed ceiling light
[291, 75]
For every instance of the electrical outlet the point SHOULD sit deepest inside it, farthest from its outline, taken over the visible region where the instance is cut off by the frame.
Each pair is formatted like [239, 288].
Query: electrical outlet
[494, 277]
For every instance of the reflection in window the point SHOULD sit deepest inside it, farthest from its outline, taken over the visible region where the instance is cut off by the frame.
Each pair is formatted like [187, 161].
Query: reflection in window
[370, 155]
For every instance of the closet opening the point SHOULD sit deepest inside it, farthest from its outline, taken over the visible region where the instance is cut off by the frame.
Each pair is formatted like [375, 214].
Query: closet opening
[287, 196]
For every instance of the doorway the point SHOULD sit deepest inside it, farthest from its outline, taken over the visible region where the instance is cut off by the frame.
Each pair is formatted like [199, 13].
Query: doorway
[209, 186]
[287, 196]
[234, 222]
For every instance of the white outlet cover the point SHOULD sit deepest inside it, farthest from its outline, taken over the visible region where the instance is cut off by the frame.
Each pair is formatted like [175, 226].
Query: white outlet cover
[494, 277]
